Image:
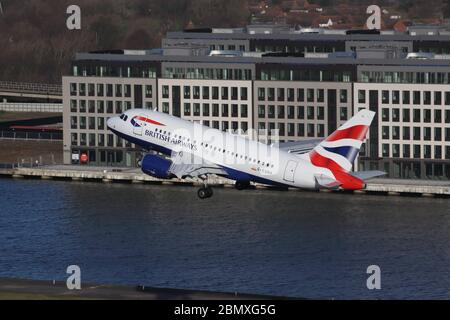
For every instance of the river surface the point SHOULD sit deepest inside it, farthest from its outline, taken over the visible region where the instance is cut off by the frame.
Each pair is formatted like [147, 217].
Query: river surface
[297, 244]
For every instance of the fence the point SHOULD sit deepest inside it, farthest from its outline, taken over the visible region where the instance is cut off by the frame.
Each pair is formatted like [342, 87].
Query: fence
[35, 162]
[41, 88]
[31, 107]
[24, 135]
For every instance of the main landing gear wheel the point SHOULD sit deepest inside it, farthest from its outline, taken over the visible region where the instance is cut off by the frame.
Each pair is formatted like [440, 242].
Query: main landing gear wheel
[205, 192]
[242, 185]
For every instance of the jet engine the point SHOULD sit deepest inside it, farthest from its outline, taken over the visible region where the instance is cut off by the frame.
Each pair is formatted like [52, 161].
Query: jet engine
[156, 166]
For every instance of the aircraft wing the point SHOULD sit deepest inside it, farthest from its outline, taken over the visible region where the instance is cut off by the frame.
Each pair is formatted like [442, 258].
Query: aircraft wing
[299, 147]
[188, 165]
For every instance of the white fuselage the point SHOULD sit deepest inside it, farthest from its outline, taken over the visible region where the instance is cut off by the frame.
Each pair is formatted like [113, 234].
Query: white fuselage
[245, 159]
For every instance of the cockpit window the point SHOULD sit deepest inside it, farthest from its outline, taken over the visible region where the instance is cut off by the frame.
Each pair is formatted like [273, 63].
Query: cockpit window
[123, 116]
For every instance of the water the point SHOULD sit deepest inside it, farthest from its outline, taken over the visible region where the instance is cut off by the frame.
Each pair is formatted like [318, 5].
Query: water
[267, 242]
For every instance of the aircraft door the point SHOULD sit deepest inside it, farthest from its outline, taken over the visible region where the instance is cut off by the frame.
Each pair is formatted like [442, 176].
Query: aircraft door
[290, 170]
[138, 125]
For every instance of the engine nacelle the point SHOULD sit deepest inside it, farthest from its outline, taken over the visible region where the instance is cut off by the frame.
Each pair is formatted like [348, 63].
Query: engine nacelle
[156, 166]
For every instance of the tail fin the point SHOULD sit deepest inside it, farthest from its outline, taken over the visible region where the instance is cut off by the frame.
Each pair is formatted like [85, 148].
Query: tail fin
[339, 150]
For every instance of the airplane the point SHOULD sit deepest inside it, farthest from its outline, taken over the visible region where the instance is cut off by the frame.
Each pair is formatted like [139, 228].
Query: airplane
[178, 148]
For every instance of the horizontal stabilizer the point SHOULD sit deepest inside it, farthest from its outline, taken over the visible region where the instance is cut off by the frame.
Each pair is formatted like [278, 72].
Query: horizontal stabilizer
[326, 182]
[367, 175]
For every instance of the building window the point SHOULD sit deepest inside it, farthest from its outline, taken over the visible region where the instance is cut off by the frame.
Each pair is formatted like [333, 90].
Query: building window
[291, 112]
[148, 91]
[395, 97]
[261, 94]
[395, 115]
[83, 139]
[416, 115]
[215, 112]
[320, 95]
[385, 114]
[385, 96]
[343, 114]
[416, 97]
[447, 98]
[320, 130]
[406, 115]
[73, 89]
[300, 112]
[310, 95]
[438, 98]
[290, 94]
[300, 130]
[385, 150]
[165, 107]
[82, 122]
[74, 139]
[206, 109]
[244, 111]
[110, 140]
[417, 151]
[187, 109]
[271, 112]
[271, 94]
[310, 113]
[396, 133]
[437, 134]
[343, 96]
[73, 106]
[301, 95]
[280, 112]
[196, 109]
[215, 93]
[118, 90]
[406, 133]
[92, 140]
[109, 90]
[165, 92]
[100, 123]
[406, 151]
[82, 105]
[406, 97]
[437, 116]
[224, 110]
[101, 140]
[74, 122]
[234, 110]
[416, 133]
[427, 152]
[205, 92]
[127, 90]
[310, 130]
[91, 123]
[291, 129]
[224, 93]
[361, 96]
[437, 152]
[320, 113]
[244, 94]
[261, 111]
[82, 89]
[427, 98]
[385, 132]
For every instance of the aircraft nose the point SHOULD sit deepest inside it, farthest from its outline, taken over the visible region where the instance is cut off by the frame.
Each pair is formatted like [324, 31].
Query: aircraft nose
[111, 123]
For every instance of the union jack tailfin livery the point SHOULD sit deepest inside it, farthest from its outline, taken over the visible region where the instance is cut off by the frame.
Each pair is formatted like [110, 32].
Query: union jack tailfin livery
[339, 151]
